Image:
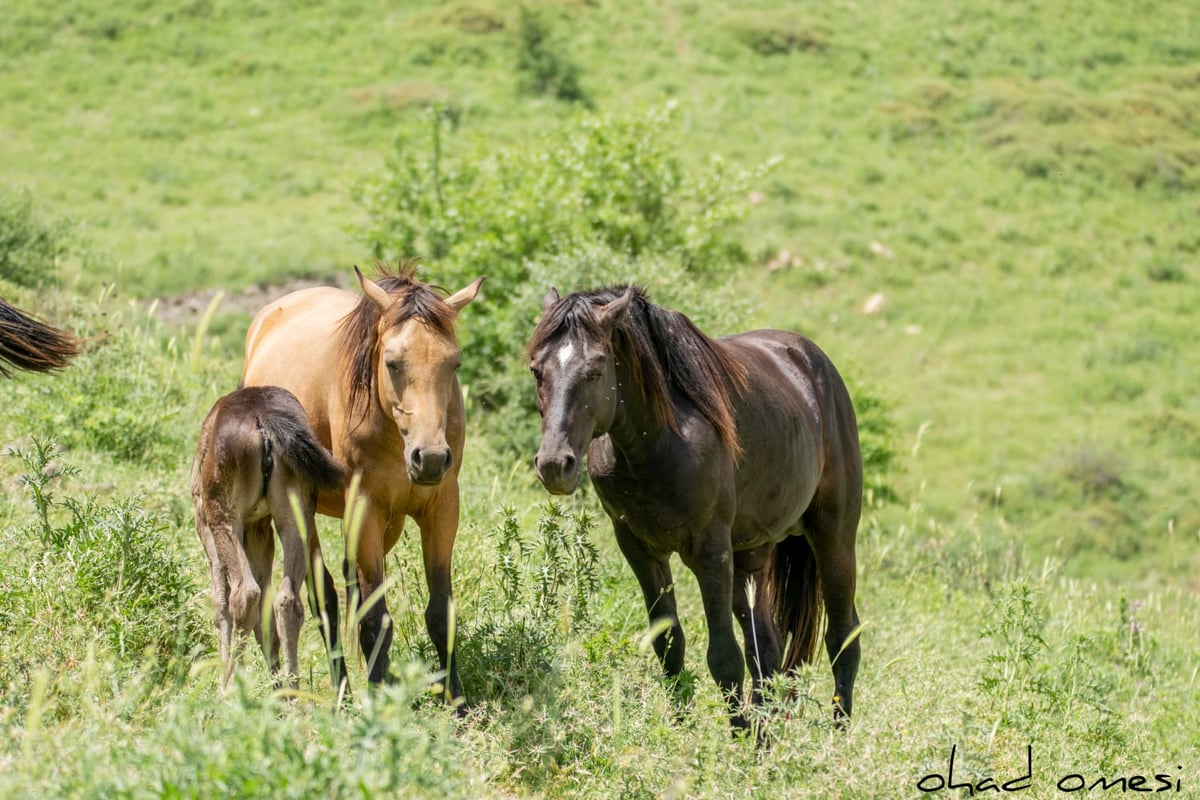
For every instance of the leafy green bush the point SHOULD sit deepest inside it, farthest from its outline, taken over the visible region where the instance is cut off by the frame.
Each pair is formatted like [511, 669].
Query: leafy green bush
[542, 61]
[122, 396]
[30, 245]
[599, 200]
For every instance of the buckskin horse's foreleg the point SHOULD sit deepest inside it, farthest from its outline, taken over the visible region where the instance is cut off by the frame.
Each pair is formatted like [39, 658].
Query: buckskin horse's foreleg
[711, 559]
[439, 526]
[323, 600]
[375, 629]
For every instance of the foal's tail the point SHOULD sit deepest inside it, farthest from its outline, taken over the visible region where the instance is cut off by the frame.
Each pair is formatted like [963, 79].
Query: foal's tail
[795, 592]
[28, 344]
[293, 443]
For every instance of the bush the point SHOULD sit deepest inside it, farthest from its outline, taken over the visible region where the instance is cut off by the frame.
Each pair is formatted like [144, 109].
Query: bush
[30, 245]
[547, 581]
[601, 198]
[543, 64]
[123, 396]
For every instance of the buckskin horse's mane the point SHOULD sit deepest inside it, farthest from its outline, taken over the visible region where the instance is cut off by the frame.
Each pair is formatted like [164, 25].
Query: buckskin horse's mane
[665, 352]
[358, 332]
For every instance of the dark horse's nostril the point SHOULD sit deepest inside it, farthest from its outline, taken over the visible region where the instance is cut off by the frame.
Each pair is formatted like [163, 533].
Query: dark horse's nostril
[568, 464]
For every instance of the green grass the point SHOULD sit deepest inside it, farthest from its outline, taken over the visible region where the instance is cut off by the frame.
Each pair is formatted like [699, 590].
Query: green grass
[1018, 181]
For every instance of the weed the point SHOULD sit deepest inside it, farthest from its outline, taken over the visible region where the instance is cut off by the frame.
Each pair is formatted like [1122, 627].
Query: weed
[546, 582]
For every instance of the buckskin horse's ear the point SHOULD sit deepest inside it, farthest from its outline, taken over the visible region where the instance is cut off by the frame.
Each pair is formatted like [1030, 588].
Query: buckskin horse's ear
[459, 300]
[613, 311]
[550, 299]
[374, 292]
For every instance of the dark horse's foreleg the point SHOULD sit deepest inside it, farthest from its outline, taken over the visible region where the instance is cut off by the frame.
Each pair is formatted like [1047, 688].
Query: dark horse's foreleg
[438, 530]
[752, 605]
[653, 572]
[712, 562]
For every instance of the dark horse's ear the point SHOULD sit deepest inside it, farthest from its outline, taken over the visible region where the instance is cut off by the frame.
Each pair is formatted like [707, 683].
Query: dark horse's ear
[612, 312]
[550, 299]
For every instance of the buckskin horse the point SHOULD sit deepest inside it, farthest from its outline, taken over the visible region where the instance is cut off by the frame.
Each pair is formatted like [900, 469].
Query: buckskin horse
[255, 457]
[740, 454]
[377, 377]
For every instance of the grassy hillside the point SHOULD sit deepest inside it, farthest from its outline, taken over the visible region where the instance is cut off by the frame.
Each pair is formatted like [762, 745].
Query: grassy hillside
[987, 215]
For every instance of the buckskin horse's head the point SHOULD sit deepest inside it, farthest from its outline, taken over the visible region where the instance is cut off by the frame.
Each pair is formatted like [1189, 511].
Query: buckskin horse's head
[417, 357]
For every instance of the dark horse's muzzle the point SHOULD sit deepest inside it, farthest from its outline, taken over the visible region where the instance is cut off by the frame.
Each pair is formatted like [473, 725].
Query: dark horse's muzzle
[559, 471]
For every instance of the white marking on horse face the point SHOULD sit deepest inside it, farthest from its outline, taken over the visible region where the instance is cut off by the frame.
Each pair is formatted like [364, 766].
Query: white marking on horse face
[565, 353]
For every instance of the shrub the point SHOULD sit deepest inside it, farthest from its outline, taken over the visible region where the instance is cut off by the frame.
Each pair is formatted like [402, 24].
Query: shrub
[543, 64]
[30, 245]
[602, 198]
[122, 396]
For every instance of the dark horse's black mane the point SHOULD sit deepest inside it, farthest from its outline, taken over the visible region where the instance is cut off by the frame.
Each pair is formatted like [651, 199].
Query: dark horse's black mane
[358, 331]
[665, 352]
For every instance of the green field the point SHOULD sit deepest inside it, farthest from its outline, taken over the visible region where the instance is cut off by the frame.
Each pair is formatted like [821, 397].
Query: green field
[987, 214]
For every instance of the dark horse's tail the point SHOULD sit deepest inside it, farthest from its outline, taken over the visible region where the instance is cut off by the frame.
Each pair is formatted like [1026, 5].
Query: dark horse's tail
[28, 344]
[795, 591]
[292, 442]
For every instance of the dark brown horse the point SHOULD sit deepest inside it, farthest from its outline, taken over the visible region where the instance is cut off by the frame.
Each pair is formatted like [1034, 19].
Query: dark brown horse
[740, 454]
[256, 456]
[26, 343]
[377, 376]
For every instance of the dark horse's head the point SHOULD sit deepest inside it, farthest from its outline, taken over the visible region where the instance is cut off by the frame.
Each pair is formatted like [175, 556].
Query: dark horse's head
[611, 354]
[572, 359]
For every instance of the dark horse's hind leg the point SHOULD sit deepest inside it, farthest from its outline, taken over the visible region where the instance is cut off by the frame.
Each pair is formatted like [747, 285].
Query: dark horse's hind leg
[832, 535]
[653, 574]
[752, 606]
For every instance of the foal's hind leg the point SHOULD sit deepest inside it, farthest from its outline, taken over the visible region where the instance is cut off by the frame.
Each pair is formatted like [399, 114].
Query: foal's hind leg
[832, 535]
[220, 597]
[260, 552]
[289, 611]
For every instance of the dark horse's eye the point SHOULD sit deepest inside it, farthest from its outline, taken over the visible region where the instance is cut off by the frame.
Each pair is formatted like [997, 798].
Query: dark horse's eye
[537, 373]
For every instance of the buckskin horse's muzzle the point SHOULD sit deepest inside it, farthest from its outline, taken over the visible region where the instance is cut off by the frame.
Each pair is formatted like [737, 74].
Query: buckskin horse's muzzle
[428, 465]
